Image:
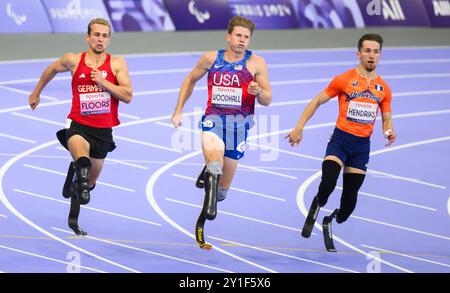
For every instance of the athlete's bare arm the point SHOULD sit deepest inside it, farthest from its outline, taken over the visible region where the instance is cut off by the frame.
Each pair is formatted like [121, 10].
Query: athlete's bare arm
[295, 136]
[260, 87]
[66, 63]
[123, 90]
[388, 128]
[200, 69]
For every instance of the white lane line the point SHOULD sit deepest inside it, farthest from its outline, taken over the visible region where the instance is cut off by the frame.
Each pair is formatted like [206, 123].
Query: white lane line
[18, 91]
[13, 210]
[395, 226]
[301, 205]
[256, 169]
[270, 65]
[64, 174]
[419, 75]
[236, 189]
[288, 169]
[267, 51]
[302, 81]
[36, 156]
[448, 205]
[421, 182]
[38, 119]
[240, 165]
[406, 178]
[152, 181]
[407, 255]
[392, 200]
[283, 254]
[148, 251]
[51, 259]
[87, 207]
[236, 215]
[151, 199]
[133, 117]
[68, 101]
[355, 63]
[3, 216]
[295, 154]
[147, 144]
[115, 136]
[41, 105]
[17, 138]
[328, 124]
[125, 163]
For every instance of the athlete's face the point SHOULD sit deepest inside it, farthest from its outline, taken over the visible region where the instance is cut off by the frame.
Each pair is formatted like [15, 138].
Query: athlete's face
[98, 40]
[239, 39]
[369, 55]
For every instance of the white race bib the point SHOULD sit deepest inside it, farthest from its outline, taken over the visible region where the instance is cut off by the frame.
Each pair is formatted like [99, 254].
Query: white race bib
[226, 97]
[95, 103]
[361, 112]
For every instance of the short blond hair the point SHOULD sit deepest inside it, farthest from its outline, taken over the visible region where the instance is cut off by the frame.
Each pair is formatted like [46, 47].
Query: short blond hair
[240, 21]
[98, 21]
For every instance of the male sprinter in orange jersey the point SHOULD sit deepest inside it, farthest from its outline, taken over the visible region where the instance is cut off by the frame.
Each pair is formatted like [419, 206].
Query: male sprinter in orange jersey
[99, 82]
[361, 91]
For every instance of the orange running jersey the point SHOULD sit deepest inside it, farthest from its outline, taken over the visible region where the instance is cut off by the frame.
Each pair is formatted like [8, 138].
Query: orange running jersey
[359, 101]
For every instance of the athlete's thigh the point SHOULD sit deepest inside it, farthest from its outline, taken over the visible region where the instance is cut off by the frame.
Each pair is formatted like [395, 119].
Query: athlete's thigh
[213, 147]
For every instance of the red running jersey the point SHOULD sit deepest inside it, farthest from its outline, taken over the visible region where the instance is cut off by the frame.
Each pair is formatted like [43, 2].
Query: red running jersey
[92, 105]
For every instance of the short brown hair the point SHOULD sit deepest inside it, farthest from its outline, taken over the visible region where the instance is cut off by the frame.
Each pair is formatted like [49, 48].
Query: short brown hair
[370, 37]
[98, 21]
[240, 21]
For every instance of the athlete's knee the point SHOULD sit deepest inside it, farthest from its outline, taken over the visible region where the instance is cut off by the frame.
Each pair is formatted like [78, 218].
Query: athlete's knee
[214, 168]
[349, 198]
[330, 174]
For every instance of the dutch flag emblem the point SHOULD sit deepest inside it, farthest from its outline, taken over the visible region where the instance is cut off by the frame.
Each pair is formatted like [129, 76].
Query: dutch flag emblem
[379, 88]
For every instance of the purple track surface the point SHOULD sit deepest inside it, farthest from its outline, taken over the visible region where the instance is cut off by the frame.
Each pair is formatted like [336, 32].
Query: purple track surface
[142, 214]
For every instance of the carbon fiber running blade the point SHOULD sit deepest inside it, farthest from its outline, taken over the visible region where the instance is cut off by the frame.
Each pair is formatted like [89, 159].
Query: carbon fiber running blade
[328, 234]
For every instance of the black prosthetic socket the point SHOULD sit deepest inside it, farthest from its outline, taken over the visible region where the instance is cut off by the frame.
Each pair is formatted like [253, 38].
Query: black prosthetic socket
[330, 174]
[200, 183]
[210, 202]
[351, 186]
[82, 167]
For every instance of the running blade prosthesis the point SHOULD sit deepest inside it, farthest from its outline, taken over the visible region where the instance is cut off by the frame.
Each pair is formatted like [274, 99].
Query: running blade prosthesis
[327, 231]
[199, 235]
[310, 219]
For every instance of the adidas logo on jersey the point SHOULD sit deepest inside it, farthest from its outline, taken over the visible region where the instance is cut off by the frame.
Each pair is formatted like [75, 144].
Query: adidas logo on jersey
[81, 76]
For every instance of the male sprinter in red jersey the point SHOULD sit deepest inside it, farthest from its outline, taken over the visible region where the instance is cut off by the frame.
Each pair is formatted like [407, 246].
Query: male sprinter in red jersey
[236, 77]
[361, 91]
[99, 82]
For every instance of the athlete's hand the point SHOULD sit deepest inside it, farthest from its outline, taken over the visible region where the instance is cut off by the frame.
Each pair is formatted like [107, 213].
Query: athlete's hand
[176, 119]
[96, 75]
[390, 136]
[295, 136]
[253, 88]
[33, 100]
